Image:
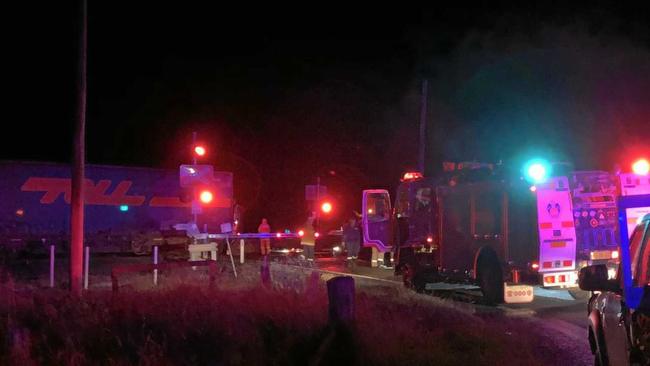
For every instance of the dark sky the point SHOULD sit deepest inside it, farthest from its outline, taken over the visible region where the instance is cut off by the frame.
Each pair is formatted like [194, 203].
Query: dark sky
[283, 94]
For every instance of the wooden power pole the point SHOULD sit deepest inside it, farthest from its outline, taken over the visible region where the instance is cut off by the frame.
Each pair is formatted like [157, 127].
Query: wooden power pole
[423, 127]
[77, 203]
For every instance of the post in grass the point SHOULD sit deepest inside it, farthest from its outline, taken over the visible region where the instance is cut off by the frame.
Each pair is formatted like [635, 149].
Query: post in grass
[340, 293]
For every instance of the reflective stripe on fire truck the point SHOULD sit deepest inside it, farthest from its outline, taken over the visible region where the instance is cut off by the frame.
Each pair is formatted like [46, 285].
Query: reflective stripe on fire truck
[567, 278]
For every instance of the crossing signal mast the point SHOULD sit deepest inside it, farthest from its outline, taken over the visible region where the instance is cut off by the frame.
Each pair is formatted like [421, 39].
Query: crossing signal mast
[198, 178]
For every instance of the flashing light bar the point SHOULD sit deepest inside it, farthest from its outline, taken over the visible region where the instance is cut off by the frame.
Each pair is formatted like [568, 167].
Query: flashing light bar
[412, 176]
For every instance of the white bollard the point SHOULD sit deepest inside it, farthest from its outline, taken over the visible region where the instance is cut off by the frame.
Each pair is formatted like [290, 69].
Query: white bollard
[51, 265]
[241, 251]
[155, 261]
[87, 262]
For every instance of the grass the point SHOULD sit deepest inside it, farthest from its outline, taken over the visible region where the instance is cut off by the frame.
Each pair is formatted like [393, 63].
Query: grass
[247, 324]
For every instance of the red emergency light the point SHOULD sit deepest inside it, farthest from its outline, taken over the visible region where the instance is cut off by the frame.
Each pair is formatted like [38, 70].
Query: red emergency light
[641, 167]
[412, 176]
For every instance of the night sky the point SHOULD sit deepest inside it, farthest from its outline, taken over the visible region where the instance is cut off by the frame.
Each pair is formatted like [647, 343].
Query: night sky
[281, 95]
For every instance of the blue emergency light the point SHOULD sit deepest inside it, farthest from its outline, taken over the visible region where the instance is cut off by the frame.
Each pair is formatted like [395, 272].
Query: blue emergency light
[537, 171]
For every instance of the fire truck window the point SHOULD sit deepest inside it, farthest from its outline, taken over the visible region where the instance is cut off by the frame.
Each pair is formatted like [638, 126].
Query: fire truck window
[423, 198]
[635, 249]
[402, 205]
[378, 207]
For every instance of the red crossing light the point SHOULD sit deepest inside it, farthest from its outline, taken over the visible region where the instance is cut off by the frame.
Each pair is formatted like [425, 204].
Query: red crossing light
[199, 150]
[326, 207]
[206, 197]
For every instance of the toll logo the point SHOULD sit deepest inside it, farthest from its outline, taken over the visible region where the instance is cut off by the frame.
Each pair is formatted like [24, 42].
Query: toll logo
[553, 208]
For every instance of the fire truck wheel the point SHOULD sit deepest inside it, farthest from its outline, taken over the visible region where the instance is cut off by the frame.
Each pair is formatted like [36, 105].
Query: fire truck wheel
[491, 282]
[413, 278]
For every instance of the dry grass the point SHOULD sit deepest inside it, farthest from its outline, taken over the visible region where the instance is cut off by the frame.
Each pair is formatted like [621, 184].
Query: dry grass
[247, 324]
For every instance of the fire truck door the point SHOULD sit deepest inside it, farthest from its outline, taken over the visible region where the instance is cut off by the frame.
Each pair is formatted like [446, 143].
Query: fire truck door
[376, 218]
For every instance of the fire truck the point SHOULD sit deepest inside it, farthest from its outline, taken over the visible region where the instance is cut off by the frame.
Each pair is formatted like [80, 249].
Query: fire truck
[476, 224]
[470, 226]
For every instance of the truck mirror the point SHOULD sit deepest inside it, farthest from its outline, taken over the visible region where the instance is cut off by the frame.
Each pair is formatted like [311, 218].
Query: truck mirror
[595, 278]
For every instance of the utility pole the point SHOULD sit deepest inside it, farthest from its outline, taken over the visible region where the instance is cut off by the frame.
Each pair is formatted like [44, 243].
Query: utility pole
[194, 202]
[77, 204]
[423, 126]
[317, 209]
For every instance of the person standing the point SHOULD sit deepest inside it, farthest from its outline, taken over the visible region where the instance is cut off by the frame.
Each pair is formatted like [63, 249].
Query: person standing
[352, 239]
[265, 243]
[308, 239]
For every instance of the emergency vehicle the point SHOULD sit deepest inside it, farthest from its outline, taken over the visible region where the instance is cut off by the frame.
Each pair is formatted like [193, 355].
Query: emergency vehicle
[476, 225]
[470, 226]
[619, 308]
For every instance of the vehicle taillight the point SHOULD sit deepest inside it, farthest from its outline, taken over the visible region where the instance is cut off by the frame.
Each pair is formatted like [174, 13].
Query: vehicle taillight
[550, 279]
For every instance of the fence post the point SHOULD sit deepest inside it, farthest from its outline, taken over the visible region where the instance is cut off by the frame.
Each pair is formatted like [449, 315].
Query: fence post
[212, 271]
[155, 262]
[340, 293]
[51, 265]
[265, 273]
[87, 263]
[241, 251]
[115, 285]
